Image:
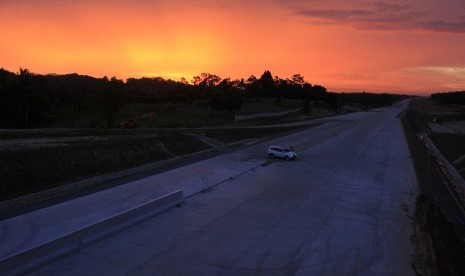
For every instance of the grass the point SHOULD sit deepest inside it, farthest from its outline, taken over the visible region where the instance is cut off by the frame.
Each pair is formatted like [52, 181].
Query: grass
[36, 168]
[33, 169]
[268, 105]
[175, 115]
[230, 135]
[65, 156]
[75, 148]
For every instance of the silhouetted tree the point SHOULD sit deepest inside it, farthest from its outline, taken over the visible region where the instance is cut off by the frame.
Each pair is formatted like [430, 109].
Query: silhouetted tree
[225, 85]
[252, 87]
[24, 90]
[206, 80]
[367, 100]
[457, 97]
[298, 80]
[111, 99]
[29, 100]
[319, 91]
[267, 85]
[239, 84]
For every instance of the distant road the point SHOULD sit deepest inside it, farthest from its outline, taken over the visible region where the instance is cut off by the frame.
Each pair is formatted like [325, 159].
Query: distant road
[340, 209]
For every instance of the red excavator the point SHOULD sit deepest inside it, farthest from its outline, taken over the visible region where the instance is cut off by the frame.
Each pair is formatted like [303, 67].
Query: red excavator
[134, 121]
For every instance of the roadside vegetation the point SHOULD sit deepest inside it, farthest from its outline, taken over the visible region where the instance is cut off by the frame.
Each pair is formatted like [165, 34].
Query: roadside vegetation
[34, 161]
[29, 100]
[58, 129]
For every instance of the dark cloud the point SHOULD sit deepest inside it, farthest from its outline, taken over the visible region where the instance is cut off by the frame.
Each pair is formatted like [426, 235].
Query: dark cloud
[387, 7]
[334, 15]
[384, 16]
[444, 26]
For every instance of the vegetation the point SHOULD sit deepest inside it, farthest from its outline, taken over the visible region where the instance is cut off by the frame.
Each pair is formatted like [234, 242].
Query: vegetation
[368, 100]
[36, 160]
[86, 112]
[457, 97]
[29, 100]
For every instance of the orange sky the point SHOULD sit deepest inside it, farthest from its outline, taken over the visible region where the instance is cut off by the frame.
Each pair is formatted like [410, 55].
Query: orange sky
[409, 46]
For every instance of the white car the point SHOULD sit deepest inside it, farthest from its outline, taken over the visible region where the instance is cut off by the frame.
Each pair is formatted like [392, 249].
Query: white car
[281, 152]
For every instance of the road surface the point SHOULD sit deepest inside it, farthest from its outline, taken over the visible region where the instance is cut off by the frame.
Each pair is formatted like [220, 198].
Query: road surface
[342, 208]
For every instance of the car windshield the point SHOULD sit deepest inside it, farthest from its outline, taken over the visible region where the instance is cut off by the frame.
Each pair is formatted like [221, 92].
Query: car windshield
[287, 150]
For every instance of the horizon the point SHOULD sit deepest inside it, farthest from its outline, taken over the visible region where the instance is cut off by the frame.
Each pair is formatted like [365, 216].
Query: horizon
[189, 81]
[405, 47]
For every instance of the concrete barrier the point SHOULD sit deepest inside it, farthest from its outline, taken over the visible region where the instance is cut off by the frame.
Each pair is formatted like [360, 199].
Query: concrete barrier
[451, 177]
[48, 251]
[70, 188]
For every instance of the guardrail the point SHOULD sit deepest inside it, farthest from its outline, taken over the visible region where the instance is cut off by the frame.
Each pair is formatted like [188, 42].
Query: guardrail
[451, 177]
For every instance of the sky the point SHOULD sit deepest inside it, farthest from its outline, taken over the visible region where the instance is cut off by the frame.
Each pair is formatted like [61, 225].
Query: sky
[398, 46]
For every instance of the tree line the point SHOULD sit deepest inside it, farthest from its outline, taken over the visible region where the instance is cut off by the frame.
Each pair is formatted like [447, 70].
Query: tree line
[29, 100]
[456, 97]
[369, 100]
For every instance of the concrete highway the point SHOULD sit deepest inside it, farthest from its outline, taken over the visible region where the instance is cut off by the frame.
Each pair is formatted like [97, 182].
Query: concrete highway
[342, 208]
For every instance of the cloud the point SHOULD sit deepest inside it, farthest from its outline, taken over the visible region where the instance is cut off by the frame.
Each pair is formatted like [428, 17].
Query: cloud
[454, 71]
[442, 78]
[384, 16]
[389, 7]
[334, 15]
[445, 26]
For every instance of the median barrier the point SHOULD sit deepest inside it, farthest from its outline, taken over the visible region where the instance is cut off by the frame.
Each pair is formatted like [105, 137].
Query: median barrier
[29, 259]
[452, 178]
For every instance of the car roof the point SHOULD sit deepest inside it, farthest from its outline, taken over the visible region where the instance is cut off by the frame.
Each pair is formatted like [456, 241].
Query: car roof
[279, 147]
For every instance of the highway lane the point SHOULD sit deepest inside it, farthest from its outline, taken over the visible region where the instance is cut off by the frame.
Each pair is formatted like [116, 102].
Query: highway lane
[341, 208]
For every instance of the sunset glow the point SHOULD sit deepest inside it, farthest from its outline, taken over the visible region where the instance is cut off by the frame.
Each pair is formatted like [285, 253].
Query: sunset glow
[412, 46]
